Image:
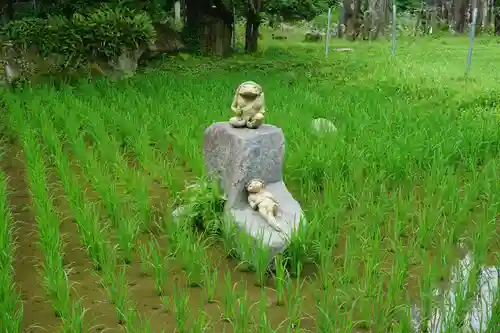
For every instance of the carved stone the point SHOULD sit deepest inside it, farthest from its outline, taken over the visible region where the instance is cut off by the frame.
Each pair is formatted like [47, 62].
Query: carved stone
[237, 156]
[248, 106]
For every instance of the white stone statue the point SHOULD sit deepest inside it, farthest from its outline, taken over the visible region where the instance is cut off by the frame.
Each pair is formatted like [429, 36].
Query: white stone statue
[248, 106]
[264, 202]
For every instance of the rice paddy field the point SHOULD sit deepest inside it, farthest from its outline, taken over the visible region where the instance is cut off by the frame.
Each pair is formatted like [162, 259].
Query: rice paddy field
[402, 201]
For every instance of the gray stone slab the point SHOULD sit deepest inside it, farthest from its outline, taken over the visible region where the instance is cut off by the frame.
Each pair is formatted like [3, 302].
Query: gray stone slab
[288, 218]
[238, 155]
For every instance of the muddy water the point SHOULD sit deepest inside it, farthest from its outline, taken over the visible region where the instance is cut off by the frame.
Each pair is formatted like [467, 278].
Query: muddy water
[480, 308]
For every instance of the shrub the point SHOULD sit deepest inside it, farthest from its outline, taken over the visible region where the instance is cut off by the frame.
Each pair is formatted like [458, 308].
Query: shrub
[100, 34]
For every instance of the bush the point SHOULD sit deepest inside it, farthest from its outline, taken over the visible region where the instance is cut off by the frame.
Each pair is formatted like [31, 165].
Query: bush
[100, 34]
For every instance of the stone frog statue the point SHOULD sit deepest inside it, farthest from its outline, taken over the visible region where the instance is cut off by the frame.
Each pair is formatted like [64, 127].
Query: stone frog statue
[248, 106]
[264, 202]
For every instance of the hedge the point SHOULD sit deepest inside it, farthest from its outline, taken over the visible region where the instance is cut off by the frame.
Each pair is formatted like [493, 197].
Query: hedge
[97, 35]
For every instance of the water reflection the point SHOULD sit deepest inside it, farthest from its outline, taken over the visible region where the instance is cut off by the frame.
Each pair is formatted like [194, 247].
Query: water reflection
[480, 308]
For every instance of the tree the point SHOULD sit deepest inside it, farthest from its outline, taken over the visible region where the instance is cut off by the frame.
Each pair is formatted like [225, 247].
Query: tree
[289, 10]
[496, 10]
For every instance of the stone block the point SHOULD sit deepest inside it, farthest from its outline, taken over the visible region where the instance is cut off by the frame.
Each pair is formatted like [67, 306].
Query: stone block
[238, 155]
[235, 156]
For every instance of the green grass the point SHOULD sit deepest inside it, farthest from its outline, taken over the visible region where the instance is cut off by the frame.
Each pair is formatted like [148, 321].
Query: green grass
[411, 173]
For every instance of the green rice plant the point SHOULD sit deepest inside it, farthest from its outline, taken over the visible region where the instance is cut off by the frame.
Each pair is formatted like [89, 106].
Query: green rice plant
[297, 249]
[166, 303]
[191, 252]
[75, 322]
[181, 298]
[493, 324]
[426, 297]
[136, 185]
[134, 322]
[127, 231]
[245, 249]
[201, 322]
[330, 318]
[55, 278]
[145, 259]
[11, 306]
[114, 281]
[325, 264]
[261, 260]
[281, 279]
[210, 284]
[294, 300]
[229, 236]
[86, 215]
[263, 322]
[120, 291]
[125, 223]
[230, 298]
[159, 265]
[242, 320]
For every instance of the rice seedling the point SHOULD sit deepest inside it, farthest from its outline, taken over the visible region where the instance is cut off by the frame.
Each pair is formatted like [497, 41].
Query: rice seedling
[181, 298]
[229, 238]
[134, 322]
[263, 323]
[75, 322]
[55, 278]
[242, 320]
[245, 250]
[166, 302]
[281, 279]
[230, 298]
[297, 249]
[136, 184]
[294, 300]
[11, 306]
[86, 215]
[261, 260]
[120, 293]
[159, 265]
[192, 255]
[210, 282]
[201, 322]
[144, 257]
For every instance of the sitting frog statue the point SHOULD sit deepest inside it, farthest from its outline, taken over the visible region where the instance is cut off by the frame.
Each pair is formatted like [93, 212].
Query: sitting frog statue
[248, 106]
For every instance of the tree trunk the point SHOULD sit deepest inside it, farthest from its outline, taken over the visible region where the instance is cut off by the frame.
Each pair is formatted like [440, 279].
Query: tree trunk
[479, 18]
[341, 25]
[496, 11]
[252, 26]
[460, 11]
[352, 13]
[252, 32]
[194, 26]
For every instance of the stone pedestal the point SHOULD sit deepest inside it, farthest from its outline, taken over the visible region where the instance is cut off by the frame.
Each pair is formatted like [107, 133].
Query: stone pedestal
[237, 155]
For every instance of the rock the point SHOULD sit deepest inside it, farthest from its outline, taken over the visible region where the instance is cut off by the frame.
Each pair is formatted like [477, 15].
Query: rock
[313, 36]
[343, 49]
[322, 125]
[237, 155]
